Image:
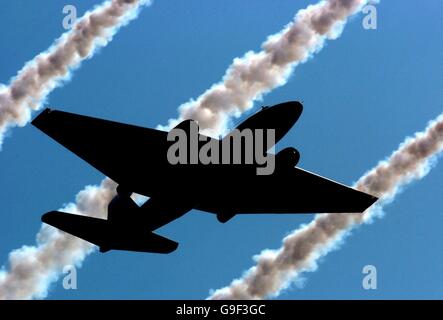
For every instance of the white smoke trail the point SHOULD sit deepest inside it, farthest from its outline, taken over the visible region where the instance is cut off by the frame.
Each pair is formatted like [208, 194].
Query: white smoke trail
[29, 88]
[255, 74]
[276, 269]
[32, 269]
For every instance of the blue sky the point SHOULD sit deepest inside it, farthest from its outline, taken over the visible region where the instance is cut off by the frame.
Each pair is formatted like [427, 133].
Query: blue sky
[363, 94]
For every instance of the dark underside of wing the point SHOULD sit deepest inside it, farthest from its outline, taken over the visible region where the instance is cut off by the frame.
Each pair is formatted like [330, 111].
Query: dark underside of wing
[294, 191]
[118, 150]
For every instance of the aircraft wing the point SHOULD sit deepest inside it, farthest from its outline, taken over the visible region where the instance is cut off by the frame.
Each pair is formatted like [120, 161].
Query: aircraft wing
[108, 236]
[118, 150]
[294, 191]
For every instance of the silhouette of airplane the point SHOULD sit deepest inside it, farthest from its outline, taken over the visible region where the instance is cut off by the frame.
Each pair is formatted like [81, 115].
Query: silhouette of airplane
[136, 159]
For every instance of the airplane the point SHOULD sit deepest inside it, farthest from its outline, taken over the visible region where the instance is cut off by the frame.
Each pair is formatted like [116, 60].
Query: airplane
[136, 159]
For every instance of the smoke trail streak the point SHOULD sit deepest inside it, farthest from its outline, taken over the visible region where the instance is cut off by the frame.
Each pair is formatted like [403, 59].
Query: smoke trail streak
[29, 88]
[255, 74]
[276, 269]
[32, 269]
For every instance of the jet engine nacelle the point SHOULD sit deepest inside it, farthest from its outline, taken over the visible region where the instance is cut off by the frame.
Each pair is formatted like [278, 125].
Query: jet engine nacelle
[287, 158]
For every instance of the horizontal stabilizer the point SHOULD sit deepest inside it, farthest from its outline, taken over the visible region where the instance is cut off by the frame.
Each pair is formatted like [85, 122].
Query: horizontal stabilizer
[108, 236]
